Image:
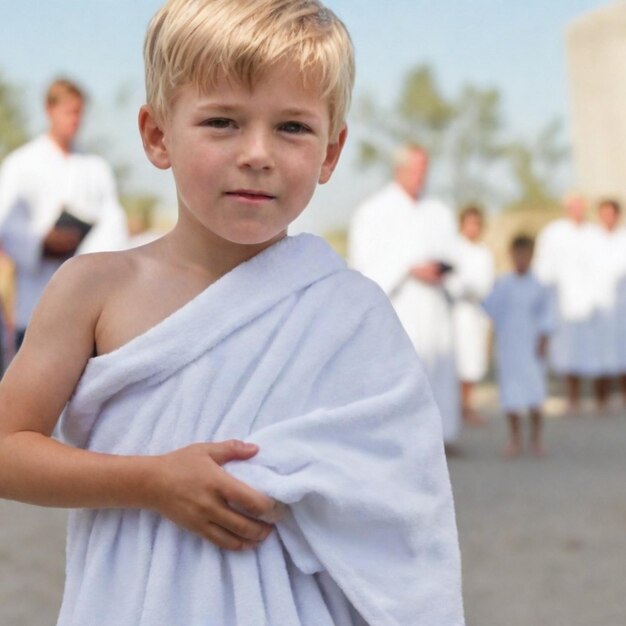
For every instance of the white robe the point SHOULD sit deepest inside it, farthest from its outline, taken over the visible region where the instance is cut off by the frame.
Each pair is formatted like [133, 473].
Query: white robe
[520, 309]
[565, 261]
[470, 284]
[389, 234]
[307, 359]
[610, 312]
[37, 181]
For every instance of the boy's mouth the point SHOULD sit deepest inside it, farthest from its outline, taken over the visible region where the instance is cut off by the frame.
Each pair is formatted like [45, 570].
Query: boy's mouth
[251, 194]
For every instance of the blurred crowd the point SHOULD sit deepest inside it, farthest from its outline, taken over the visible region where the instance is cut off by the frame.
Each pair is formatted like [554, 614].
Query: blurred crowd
[561, 309]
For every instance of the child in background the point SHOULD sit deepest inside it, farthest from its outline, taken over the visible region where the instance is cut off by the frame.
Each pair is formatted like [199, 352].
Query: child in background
[471, 282]
[337, 510]
[519, 306]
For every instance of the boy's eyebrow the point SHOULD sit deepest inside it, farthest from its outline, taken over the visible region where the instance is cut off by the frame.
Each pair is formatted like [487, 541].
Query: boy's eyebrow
[227, 108]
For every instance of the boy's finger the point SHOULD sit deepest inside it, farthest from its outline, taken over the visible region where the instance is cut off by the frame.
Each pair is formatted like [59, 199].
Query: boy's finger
[244, 498]
[224, 539]
[231, 450]
[239, 525]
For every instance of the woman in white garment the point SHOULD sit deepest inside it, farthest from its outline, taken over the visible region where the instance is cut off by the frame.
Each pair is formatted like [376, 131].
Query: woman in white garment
[471, 282]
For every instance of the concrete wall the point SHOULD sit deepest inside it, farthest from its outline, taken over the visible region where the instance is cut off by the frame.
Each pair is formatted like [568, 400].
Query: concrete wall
[596, 54]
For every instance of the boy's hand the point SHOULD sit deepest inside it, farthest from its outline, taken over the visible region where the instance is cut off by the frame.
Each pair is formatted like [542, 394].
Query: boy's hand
[196, 493]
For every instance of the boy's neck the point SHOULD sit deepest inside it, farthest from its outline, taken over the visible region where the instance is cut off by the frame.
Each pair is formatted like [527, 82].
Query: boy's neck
[193, 247]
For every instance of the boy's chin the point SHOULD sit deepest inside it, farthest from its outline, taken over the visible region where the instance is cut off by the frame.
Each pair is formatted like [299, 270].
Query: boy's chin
[254, 237]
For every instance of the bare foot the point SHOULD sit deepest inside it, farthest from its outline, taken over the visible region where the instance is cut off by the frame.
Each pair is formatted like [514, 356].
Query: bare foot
[512, 450]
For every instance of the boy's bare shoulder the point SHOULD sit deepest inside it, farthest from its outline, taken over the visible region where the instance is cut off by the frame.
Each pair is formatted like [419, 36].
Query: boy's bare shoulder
[96, 273]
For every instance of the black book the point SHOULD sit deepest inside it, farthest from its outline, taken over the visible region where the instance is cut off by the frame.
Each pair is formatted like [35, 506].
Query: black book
[69, 220]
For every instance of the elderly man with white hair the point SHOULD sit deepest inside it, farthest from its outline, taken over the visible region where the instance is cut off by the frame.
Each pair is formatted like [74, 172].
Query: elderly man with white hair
[407, 243]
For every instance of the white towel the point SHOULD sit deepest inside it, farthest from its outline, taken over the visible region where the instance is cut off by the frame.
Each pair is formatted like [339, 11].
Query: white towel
[306, 358]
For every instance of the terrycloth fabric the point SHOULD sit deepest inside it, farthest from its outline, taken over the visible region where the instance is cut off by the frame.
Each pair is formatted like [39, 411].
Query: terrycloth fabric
[306, 358]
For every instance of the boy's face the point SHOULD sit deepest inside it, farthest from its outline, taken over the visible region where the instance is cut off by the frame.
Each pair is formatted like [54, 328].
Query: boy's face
[246, 162]
[521, 258]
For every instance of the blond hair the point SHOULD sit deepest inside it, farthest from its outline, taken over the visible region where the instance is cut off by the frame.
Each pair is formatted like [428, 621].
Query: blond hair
[198, 41]
[60, 89]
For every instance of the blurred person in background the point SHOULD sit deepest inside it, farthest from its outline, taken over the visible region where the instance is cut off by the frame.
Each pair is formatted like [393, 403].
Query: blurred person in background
[407, 243]
[610, 314]
[521, 311]
[565, 261]
[55, 201]
[470, 283]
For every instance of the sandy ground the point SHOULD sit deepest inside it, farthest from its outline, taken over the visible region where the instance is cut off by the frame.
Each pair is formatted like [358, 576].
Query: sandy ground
[543, 541]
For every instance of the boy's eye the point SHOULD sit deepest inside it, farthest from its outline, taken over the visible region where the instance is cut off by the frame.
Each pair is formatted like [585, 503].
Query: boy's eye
[295, 128]
[218, 122]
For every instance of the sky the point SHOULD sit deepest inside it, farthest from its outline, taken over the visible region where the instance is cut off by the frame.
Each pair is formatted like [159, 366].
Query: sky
[517, 47]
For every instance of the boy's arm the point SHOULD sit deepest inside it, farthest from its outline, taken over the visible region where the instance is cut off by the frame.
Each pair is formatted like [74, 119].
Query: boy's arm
[187, 486]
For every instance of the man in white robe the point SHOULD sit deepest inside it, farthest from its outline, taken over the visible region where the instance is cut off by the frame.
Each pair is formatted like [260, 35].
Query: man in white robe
[610, 313]
[470, 284]
[41, 180]
[408, 244]
[565, 261]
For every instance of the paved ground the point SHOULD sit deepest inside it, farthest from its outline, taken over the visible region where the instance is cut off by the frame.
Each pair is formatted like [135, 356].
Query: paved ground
[544, 542]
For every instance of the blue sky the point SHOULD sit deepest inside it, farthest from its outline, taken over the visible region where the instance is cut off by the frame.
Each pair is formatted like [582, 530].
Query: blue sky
[515, 46]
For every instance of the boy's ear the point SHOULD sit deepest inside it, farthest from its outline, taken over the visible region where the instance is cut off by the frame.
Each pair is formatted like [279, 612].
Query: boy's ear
[152, 135]
[333, 152]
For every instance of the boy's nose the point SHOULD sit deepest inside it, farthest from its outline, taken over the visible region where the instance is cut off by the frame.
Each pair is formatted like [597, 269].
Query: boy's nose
[256, 151]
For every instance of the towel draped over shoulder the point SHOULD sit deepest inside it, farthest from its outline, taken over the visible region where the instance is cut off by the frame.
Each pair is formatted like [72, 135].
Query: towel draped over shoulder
[296, 353]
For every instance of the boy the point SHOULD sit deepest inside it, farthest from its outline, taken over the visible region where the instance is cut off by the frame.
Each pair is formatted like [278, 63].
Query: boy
[519, 307]
[223, 330]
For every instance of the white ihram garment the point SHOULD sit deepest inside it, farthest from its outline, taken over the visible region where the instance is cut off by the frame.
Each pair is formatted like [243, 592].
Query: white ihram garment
[470, 284]
[389, 234]
[610, 309]
[38, 181]
[520, 308]
[298, 354]
[565, 261]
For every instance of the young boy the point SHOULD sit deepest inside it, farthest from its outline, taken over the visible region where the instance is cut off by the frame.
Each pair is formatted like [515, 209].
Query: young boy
[227, 330]
[519, 307]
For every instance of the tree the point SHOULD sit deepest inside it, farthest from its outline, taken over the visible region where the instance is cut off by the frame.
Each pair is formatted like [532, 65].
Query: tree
[536, 166]
[421, 115]
[473, 160]
[461, 134]
[475, 146]
[12, 125]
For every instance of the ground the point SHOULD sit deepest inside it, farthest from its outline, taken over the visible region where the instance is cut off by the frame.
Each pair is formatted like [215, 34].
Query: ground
[542, 540]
